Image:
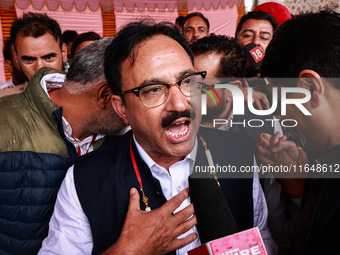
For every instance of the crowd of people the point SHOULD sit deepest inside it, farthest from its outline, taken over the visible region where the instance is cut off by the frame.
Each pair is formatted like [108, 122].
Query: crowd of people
[100, 136]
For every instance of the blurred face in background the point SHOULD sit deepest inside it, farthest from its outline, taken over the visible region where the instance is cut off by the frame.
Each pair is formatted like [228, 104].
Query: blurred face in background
[259, 32]
[194, 29]
[35, 53]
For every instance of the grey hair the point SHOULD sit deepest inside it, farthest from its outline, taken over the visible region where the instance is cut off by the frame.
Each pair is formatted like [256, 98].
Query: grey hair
[87, 68]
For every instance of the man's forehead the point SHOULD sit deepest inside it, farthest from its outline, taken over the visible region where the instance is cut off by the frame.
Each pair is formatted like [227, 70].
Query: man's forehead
[264, 24]
[195, 21]
[41, 45]
[46, 36]
[156, 47]
[158, 57]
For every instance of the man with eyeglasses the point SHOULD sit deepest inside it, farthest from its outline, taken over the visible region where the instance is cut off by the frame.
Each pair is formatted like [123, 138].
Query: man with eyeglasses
[131, 197]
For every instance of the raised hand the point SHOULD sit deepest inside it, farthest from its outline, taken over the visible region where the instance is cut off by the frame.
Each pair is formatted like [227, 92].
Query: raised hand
[155, 232]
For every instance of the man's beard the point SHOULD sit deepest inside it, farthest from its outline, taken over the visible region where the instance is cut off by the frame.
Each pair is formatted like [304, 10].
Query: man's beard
[108, 123]
[18, 76]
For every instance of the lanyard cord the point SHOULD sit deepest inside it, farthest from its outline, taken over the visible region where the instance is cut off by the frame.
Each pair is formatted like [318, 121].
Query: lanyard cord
[209, 157]
[92, 142]
[145, 199]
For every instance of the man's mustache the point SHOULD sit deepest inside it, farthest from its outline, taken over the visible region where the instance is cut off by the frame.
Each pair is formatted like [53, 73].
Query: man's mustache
[172, 116]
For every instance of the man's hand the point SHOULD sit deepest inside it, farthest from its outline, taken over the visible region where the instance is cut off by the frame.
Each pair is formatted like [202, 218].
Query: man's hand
[275, 150]
[155, 232]
[263, 149]
[287, 152]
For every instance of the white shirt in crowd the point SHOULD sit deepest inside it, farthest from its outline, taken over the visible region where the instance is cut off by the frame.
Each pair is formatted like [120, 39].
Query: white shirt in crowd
[9, 84]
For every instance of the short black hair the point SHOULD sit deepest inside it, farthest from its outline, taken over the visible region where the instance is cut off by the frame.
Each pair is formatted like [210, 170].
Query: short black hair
[69, 36]
[306, 41]
[130, 37]
[197, 14]
[7, 49]
[258, 15]
[233, 60]
[36, 25]
[180, 20]
[83, 37]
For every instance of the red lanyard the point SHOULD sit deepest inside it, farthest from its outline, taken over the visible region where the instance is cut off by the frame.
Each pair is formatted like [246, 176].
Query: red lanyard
[92, 142]
[145, 199]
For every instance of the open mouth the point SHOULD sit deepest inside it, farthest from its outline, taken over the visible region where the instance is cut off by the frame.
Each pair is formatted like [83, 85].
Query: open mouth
[178, 130]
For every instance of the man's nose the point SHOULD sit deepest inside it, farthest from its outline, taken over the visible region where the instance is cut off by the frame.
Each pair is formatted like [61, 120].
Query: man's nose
[39, 64]
[197, 33]
[176, 100]
[256, 40]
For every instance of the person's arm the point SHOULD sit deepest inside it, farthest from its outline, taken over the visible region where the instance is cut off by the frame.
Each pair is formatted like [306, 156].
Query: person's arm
[69, 229]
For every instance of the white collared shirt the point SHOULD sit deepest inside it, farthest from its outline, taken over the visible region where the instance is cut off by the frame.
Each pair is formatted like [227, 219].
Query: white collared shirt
[70, 232]
[4, 85]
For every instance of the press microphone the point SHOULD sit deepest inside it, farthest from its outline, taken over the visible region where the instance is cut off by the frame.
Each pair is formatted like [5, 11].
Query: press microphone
[214, 217]
[216, 226]
[254, 59]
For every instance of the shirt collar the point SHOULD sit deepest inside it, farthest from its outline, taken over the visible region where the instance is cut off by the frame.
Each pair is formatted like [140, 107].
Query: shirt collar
[68, 133]
[151, 163]
[53, 80]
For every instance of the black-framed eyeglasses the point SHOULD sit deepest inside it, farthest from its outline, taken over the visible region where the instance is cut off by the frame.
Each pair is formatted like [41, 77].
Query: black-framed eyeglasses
[156, 94]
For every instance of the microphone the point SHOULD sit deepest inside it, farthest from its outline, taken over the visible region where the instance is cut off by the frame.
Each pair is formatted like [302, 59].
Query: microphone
[214, 217]
[255, 58]
[216, 225]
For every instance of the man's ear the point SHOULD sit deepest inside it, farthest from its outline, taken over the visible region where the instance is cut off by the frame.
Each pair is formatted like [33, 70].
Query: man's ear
[104, 94]
[119, 106]
[64, 52]
[312, 81]
[227, 92]
[9, 66]
[237, 83]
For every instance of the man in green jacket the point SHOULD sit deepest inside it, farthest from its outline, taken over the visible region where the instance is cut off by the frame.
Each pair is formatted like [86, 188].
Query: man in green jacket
[43, 131]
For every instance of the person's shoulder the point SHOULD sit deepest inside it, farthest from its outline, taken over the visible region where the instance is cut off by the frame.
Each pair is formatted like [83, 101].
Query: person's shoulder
[4, 85]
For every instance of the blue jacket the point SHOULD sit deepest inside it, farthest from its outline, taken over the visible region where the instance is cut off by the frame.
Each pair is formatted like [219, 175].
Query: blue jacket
[34, 158]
